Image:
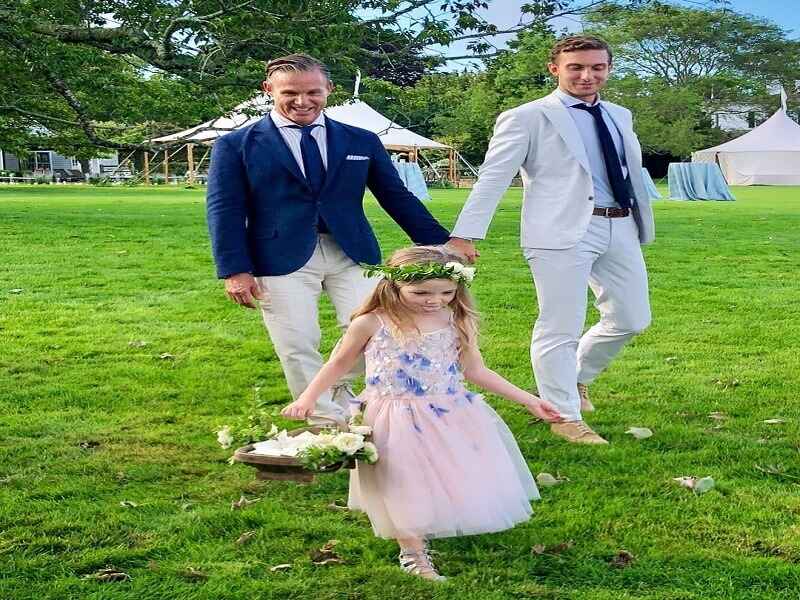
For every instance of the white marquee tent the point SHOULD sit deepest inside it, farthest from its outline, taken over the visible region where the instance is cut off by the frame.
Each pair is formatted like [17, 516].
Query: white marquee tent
[354, 112]
[767, 155]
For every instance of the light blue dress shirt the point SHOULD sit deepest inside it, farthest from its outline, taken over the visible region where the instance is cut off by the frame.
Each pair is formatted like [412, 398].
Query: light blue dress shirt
[603, 194]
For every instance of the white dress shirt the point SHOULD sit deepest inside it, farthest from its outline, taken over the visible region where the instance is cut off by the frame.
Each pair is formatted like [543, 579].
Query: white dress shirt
[603, 194]
[292, 137]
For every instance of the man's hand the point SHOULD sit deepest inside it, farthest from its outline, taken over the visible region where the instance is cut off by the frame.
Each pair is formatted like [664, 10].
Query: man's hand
[463, 247]
[242, 288]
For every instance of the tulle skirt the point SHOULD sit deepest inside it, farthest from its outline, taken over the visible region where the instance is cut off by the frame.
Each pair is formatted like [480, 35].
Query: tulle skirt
[448, 466]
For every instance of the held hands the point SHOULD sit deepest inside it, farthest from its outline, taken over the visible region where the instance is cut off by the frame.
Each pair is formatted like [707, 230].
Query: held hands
[543, 409]
[242, 288]
[300, 408]
[465, 248]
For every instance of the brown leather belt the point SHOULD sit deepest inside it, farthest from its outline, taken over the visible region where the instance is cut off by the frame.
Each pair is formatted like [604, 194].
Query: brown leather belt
[611, 213]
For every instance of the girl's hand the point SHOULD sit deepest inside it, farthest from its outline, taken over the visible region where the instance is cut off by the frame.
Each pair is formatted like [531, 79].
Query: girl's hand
[300, 408]
[544, 410]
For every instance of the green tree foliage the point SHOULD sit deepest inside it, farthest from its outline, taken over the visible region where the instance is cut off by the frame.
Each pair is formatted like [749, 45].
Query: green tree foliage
[90, 73]
[675, 66]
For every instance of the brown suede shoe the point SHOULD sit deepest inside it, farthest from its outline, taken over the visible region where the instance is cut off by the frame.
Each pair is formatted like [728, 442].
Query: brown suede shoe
[586, 404]
[576, 432]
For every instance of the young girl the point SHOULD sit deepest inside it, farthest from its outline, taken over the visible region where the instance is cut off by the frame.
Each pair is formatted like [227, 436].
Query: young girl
[448, 465]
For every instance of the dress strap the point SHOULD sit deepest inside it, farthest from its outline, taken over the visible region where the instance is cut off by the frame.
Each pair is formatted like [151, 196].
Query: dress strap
[380, 319]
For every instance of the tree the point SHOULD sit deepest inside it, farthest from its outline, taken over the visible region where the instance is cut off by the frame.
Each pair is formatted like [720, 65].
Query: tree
[84, 73]
[675, 66]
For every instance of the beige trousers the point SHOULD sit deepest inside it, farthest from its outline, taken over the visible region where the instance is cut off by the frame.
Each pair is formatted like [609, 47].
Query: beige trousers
[609, 261]
[290, 309]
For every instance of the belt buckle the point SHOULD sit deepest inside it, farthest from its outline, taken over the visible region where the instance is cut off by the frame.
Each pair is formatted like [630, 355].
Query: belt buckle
[607, 213]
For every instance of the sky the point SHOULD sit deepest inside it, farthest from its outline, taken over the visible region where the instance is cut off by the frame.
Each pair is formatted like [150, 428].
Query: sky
[506, 14]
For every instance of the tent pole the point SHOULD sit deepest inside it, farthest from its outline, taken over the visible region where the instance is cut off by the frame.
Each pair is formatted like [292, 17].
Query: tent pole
[166, 167]
[451, 166]
[190, 157]
[147, 168]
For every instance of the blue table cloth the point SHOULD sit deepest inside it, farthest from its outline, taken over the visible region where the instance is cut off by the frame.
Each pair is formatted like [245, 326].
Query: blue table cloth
[652, 191]
[697, 181]
[411, 174]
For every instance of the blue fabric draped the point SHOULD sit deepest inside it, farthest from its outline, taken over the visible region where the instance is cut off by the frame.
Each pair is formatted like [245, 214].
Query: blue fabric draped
[414, 180]
[697, 181]
[652, 191]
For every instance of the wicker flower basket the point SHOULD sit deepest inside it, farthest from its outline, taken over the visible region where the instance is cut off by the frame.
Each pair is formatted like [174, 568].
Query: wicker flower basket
[288, 468]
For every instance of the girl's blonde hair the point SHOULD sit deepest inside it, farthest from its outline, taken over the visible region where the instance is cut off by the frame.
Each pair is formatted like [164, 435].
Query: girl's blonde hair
[386, 296]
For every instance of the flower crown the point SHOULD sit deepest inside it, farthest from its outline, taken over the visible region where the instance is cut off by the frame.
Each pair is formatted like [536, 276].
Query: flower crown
[420, 272]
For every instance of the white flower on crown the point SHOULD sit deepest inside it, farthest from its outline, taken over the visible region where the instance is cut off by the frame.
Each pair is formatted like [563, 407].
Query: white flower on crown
[468, 273]
[456, 266]
[225, 437]
[349, 443]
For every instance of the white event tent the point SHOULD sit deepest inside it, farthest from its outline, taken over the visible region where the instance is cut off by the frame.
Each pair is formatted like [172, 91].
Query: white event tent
[353, 112]
[767, 155]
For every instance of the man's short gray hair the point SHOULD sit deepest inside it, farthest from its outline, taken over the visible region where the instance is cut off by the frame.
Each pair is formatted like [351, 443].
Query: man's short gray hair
[294, 63]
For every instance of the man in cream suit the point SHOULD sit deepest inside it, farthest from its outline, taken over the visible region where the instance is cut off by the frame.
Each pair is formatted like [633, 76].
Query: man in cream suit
[584, 215]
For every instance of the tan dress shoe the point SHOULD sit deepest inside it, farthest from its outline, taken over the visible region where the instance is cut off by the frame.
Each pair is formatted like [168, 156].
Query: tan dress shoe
[586, 404]
[576, 432]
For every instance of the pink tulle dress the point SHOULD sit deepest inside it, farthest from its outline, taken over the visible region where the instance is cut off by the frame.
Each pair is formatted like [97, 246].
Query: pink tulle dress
[448, 464]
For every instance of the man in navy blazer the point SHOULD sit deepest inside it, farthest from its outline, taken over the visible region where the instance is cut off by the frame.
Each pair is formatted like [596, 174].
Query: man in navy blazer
[286, 216]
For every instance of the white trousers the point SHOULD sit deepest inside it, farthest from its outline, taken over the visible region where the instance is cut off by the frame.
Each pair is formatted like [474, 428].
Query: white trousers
[291, 314]
[609, 260]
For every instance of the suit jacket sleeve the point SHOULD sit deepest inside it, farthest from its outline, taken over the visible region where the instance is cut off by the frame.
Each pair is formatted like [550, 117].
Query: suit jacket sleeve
[226, 210]
[507, 151]
[403, 206]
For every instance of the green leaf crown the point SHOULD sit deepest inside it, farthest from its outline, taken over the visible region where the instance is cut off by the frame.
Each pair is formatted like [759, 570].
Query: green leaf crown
[420, 272]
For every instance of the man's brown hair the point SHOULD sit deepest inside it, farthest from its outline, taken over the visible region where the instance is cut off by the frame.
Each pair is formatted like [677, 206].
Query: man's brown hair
[574, 43]
[294, 63]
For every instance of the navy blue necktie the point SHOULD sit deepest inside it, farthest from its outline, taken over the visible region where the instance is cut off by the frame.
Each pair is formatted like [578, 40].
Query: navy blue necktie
[610, 157]
[312, 164]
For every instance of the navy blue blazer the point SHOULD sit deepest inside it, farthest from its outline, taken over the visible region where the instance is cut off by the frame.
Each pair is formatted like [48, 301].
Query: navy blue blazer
[262, 215]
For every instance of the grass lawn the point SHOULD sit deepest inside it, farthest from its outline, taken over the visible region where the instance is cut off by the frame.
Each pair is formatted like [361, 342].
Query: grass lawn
[107, 456]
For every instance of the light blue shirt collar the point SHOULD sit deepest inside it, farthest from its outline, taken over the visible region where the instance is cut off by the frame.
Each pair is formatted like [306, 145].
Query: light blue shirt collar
[569, 100]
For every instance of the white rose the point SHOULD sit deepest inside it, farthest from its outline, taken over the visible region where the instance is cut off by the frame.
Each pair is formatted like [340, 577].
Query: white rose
[371, 452]
[224, 437]
[349, 443]
[468, 273]
[456, 266]
[361, 429]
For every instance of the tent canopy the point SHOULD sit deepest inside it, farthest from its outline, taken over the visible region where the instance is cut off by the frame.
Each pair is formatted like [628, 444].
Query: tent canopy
[353, 112]
[767, 155]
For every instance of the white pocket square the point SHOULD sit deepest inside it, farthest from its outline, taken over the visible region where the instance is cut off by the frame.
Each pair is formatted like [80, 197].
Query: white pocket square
[356, 157]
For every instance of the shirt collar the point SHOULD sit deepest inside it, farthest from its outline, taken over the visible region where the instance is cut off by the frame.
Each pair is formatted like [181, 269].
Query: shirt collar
[281, 121]
[569, 100]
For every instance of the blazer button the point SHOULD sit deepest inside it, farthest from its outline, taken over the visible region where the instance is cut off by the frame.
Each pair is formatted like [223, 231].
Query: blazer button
[591, 198]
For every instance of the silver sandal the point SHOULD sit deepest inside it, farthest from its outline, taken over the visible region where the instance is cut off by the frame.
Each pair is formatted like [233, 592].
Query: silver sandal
[419, 563]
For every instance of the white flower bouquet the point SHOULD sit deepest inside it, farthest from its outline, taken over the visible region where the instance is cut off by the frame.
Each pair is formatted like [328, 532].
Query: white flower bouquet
[297, 454]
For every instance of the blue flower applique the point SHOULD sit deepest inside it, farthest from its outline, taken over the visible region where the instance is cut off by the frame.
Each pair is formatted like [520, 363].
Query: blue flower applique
[453, 368]
[373, 380]
[410, 383]
[438, 410]
[424, 361]
[452, 390]
[408, 359]
[470, 396]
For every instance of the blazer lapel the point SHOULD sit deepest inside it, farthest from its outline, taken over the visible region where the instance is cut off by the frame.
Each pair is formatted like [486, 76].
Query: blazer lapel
[625, 129]
[557, 113]
[336, 138]
[274, 146]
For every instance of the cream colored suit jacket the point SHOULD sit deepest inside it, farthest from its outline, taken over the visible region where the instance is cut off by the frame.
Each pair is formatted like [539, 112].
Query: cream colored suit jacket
[541, 141]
